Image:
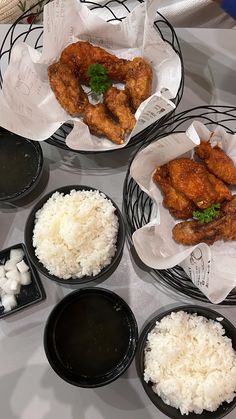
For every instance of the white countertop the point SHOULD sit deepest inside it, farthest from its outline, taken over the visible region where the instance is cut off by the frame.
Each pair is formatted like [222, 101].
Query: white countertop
[29, 388]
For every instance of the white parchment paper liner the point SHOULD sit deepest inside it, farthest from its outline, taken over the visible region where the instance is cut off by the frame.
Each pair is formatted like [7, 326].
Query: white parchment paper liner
[211, 268]
[29, 108]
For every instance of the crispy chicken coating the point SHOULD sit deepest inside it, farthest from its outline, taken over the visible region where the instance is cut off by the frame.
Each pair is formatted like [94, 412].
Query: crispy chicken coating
[118, 104]
[217, 162]
[222, 228]
[80, 55]
[223, 193]
[191, 179]
[138, 81]
[176, 202]
[67, 89]
[100, 123]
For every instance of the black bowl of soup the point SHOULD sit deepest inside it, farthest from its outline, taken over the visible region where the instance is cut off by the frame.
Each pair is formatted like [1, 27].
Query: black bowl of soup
[90, 337]
[21, 164]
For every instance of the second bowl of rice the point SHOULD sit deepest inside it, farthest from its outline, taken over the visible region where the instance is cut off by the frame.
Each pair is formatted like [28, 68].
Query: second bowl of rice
[75, 234]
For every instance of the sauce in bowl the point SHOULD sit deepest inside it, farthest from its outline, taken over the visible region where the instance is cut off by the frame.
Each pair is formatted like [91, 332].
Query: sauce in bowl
[90, 337]
[20, 165]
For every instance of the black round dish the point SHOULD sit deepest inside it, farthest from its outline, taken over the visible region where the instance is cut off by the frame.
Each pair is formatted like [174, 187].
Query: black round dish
[31, 252]
[90, 337]
[170, 411]
[21, 164]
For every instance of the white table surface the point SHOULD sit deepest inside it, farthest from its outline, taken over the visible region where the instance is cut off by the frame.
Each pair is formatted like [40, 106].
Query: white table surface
[29, 388]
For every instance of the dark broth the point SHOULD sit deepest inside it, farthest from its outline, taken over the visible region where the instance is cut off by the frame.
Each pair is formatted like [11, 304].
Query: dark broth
[92, 335]
[18, 164]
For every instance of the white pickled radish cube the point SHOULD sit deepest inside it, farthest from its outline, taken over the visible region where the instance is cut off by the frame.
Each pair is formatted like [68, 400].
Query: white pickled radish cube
[16, 255]
[2, 281]
[25, 278]
[10, 265]
[2, 271]
[8, 302]
[15, 286]
[14, 274]
[22, 266]
[7, 287]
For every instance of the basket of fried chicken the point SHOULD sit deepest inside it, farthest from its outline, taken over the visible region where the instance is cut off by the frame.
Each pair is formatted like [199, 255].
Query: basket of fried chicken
[109, 81]
[191, 178]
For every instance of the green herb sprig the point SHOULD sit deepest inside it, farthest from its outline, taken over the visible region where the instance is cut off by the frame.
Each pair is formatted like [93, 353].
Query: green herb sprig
[207, 214]
[98, 78]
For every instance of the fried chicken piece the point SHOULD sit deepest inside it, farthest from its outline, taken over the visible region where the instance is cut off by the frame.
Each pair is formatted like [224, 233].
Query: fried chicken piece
[223, 193]
[191, 179]
[222, 228]
[138, 81]
[118, 104]
[100, 123]
[67, 89]
[217, 162]
[80, 55]
[177, 203]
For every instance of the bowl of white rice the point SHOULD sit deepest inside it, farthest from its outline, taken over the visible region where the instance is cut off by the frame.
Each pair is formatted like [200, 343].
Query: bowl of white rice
[75, 234]
[186, 361]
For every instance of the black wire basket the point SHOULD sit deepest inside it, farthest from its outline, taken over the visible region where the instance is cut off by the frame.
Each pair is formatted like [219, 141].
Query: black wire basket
[137, 205]
[111, 11]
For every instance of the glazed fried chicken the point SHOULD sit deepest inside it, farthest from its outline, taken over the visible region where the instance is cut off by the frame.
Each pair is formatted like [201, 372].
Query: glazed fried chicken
[100, 123]
[217, 162]
[118, 104]
[222, 228]
[187, 185]
[80, 55]
[138, 81]
[67, 89]
[177, 203]
[191, 179]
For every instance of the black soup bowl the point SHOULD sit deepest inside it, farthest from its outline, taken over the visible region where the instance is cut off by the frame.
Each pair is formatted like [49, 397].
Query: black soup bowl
[29, 227]
[172, 412]
[90, 337]
[21, 166]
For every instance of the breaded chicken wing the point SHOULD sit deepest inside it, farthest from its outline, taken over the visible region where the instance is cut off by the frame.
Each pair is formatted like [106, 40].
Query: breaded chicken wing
[191, 179]
[176, 202]
[80, 55]
[67, 89]
[217, 162]
[222, 228]
[118, 104]
[100, 123]
[138, 81]
[223, 193]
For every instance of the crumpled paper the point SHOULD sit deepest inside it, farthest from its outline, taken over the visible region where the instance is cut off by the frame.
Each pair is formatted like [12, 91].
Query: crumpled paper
[211, 268]
[28, 106]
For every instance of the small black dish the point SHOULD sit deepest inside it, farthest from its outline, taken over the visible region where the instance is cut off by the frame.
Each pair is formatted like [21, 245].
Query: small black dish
[90, 337]
[170, 411]
[29, 227]
[21, 164]
[29, 294]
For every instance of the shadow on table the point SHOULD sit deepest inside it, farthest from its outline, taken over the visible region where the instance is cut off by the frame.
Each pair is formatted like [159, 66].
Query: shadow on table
[93, 163]
[152, 277]
[200, 74]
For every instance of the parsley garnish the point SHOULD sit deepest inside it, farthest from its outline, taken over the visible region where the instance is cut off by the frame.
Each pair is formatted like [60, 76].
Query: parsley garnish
[207, 214]
[98, 78]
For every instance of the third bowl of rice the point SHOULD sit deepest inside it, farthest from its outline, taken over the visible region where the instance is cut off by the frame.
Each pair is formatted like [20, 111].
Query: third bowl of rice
[186, 361]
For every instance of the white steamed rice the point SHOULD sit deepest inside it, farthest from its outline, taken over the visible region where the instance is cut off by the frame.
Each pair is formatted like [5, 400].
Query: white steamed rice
[75, 234]
[190, 363]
